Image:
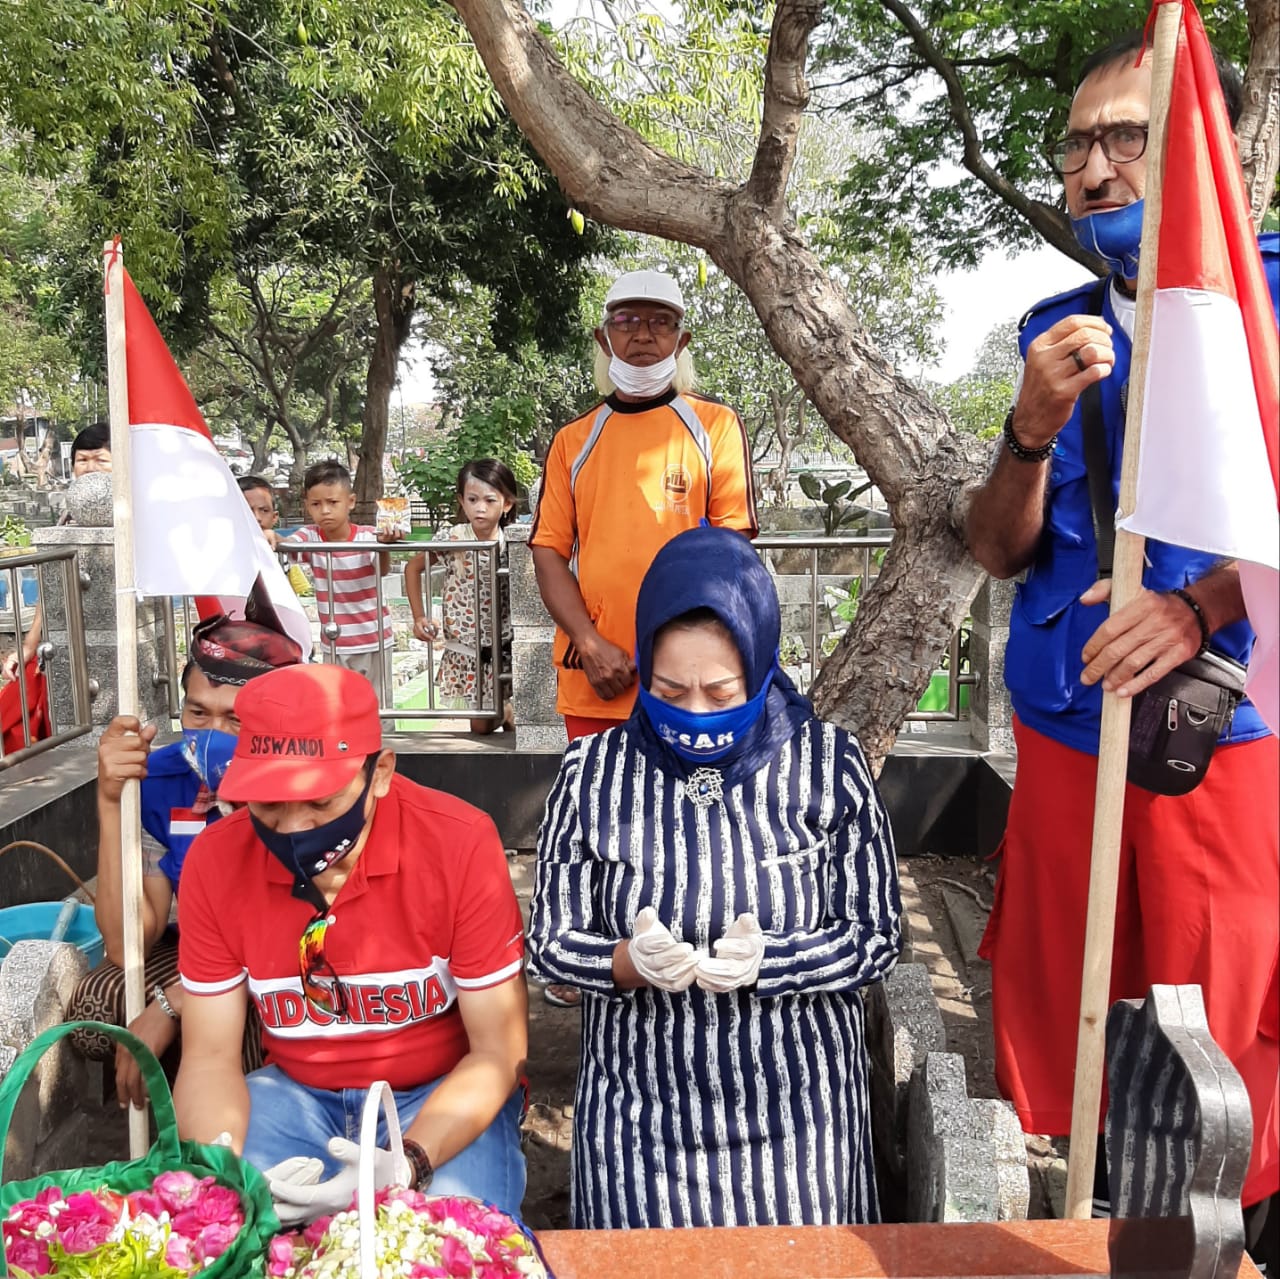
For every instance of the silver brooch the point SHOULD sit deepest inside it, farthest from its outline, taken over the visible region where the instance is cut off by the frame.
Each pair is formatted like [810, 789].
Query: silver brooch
[705, 787]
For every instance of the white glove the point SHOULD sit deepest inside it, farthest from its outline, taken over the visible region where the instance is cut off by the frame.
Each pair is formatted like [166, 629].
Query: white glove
[301, 1196]
[658, 957]
[738, 955]
[301, 1170]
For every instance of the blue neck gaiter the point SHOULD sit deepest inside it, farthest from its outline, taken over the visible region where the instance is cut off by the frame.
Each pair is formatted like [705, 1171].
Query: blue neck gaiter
[703, 737]
[1114, 235]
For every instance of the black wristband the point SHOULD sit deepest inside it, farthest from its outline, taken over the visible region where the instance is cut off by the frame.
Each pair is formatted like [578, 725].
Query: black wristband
[420, 1168]
[1203, 622]
[1020, 450]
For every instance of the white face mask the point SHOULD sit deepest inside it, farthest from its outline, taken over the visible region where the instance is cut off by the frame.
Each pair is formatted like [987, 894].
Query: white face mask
[644, 382]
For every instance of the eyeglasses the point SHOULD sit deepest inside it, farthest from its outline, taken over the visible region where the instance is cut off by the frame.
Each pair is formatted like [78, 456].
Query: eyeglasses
[662, 325]
[321, 986]
[1120, 143]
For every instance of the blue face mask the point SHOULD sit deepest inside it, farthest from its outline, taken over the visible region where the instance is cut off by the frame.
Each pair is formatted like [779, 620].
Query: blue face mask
[702, 737]
[1113, 235]
[208, 752]
[308, 853]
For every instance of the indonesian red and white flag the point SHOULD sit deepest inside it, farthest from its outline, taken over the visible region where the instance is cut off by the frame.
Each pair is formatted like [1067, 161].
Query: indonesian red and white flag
[1207, 469]
[193, 532]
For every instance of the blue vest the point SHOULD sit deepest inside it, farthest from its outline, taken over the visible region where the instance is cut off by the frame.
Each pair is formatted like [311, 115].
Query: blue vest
[1049, 627]
[168, 791]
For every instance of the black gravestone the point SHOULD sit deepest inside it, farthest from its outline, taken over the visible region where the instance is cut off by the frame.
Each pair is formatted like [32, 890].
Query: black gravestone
[1179, 1132]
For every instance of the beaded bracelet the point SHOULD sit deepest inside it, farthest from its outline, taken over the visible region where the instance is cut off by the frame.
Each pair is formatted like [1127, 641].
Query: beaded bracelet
[1020, 450]
[419, 1164]
[1203, 622]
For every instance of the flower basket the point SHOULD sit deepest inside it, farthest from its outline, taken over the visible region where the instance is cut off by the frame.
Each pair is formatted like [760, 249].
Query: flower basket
[395, 1232]
[244, 1257]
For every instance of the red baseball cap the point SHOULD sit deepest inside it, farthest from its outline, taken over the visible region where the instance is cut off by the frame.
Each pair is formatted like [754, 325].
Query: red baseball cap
[304, 732]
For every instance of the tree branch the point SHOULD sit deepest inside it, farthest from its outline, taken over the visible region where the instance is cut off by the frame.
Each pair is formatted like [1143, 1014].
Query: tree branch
[786, 94]
[1050, 222]
[606, 169]
[222, 73]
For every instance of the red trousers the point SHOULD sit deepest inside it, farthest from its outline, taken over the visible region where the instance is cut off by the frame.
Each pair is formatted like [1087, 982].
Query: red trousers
[1198, 902]
[584, 725]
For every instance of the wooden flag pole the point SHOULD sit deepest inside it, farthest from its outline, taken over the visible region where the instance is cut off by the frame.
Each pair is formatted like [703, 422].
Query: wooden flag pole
[135, 997]
[1113, 746]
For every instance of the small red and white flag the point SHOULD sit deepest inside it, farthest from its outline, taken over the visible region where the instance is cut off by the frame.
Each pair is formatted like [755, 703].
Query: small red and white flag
[1207, 470]
[193, 532]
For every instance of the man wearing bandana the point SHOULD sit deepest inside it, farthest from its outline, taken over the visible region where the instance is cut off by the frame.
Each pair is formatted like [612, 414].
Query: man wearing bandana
[622, 480]
[373, 925]
[1199, 873]
[179, 783]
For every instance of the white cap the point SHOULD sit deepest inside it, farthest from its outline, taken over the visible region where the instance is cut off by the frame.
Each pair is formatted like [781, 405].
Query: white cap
[645, 286]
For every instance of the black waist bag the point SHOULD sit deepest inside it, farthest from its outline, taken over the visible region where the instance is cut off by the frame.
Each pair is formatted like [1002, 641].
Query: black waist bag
[1176, 723]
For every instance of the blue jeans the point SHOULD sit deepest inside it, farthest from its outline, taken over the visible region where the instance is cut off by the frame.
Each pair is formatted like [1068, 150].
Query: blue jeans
[288, 1118]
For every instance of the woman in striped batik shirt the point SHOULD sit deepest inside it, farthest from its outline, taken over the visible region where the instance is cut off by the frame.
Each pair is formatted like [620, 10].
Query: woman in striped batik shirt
[717, 875]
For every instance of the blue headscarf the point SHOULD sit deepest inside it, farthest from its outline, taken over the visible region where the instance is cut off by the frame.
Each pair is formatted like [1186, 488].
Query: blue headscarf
[717, 569]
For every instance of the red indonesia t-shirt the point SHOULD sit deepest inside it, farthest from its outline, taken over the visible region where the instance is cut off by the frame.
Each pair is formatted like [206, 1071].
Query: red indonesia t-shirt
[428, 910]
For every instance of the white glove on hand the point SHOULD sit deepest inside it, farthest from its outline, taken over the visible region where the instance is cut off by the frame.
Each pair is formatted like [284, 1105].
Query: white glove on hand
[301, 1196]
[660, 959]
[738, 955]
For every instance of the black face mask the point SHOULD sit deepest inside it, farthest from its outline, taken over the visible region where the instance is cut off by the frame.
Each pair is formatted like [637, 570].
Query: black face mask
[308, 853]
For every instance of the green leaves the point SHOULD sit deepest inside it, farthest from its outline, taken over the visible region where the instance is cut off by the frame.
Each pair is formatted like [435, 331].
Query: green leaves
[498, 431]
[1016, 62]
[837, 513]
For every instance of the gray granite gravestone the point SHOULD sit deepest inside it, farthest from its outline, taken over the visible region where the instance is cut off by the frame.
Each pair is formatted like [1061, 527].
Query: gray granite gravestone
[1179, 1131]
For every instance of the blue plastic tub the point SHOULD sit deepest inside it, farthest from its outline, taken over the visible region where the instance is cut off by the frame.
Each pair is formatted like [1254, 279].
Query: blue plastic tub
[35, 921]
[29, 588]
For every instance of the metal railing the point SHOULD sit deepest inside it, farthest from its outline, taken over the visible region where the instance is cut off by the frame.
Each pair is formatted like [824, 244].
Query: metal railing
[14, 571]
[872, 546]
[327, 630]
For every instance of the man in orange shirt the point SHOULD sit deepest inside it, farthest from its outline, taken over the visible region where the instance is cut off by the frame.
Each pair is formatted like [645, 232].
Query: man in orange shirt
[622, 480]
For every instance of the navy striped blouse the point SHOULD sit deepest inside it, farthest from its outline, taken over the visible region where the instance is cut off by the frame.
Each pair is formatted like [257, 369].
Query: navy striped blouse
[739, 1109]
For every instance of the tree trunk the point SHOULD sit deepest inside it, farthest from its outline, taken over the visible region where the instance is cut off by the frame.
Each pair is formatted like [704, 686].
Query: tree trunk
[1258, 132]
[923, 469]
[393, 301]
[21, 463]
[44, 459]
[261, 448]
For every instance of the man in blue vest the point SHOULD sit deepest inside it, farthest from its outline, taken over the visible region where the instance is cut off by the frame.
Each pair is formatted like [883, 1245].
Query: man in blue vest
[179, 797]
[1199, 874]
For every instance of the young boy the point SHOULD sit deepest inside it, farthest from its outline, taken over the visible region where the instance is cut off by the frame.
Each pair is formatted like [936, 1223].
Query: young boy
[262, 501]
[346, 585]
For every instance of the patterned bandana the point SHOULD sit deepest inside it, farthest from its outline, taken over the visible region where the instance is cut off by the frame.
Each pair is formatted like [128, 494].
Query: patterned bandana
[233, 652]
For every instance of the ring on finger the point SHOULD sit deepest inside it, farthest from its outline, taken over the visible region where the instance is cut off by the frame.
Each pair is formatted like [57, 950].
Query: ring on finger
[1079, 362]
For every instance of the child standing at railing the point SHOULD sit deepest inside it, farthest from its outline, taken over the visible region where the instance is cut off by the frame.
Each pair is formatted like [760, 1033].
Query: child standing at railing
[486, 497]
[346, 583]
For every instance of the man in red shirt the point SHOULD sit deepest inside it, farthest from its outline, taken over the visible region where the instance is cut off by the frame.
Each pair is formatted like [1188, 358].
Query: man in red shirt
[374, 925]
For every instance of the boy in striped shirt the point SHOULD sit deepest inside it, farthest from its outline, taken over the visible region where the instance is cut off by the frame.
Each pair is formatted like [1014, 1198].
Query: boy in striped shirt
[346, 584]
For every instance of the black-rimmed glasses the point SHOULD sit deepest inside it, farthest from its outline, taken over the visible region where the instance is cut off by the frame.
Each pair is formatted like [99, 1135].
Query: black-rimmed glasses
[1120, 143]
